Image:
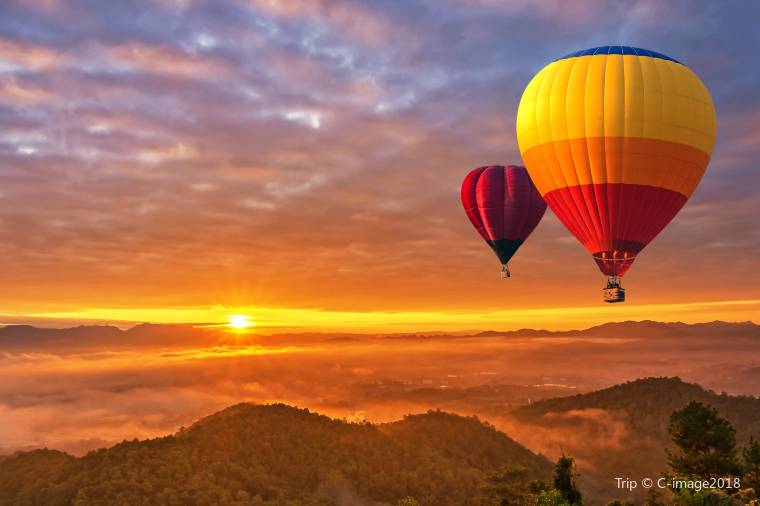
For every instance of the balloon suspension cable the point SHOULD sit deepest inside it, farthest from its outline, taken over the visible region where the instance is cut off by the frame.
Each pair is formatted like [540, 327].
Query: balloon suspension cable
[505, 271]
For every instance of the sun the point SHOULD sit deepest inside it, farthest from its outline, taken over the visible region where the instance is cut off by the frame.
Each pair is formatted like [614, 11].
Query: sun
[240, 321]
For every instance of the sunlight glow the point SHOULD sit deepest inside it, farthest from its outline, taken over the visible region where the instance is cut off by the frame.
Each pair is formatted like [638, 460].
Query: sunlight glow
[374, 321]
[240, 321]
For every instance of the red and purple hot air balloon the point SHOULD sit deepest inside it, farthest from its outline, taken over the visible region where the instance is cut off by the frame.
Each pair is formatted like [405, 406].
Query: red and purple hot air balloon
[504, 206]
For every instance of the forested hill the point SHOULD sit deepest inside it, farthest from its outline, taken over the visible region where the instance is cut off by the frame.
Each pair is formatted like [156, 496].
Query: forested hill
[623, 430]
[277, 455]
[648, 403]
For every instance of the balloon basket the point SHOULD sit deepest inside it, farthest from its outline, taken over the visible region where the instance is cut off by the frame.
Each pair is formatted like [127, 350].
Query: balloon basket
[613, 292]
[505, 272]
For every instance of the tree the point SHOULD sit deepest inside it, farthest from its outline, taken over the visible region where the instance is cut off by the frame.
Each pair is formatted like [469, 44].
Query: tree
[538, 486]
[709, 497]
[509, 487]
[618, 502]
[751, 465]
[550, 497]
[652, 498]
[747, 496]
[706, 442]
[564, 480]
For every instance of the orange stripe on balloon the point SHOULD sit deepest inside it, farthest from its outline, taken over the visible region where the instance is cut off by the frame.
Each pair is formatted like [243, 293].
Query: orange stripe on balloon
[632, 160]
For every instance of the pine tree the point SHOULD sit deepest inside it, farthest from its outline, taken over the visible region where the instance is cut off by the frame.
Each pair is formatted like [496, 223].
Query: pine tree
[706, 442]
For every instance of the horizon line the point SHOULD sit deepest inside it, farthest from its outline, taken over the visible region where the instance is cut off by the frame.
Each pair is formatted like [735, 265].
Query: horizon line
[296, 329]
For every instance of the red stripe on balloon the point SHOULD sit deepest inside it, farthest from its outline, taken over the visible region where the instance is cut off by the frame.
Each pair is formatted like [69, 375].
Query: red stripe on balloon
[642, 212]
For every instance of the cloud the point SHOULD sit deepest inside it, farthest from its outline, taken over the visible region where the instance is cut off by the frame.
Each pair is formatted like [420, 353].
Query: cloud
[360, 22]
[160, 60]
[17, 57]
[16, 92]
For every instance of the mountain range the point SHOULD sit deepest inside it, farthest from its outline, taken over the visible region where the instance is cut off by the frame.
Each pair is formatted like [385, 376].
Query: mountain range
[30, 338]
[644, 329]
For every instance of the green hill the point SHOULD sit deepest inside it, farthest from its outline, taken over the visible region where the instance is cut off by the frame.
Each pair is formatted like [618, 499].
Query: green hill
[622, 431]
[647, 404]
[276, 455]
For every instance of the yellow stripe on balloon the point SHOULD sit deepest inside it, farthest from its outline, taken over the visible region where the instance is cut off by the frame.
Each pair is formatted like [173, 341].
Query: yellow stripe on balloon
[618, 96]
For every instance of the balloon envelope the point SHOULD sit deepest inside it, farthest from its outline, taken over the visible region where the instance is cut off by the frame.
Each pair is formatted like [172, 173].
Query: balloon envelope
[503, 205]
[616, 139]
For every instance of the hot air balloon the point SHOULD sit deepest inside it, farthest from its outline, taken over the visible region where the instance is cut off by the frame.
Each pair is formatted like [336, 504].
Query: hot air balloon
[504, 207]
[616, 139]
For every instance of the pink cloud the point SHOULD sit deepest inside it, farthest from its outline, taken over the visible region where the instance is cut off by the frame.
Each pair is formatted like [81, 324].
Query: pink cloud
[360, 23]
[28, 56]
[13, 91]
[165, 60]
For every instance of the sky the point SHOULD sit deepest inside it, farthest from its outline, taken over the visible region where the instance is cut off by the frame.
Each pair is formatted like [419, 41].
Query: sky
[299, 162]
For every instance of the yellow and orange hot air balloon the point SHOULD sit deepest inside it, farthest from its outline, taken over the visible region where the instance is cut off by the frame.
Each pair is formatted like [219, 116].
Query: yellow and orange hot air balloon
[616, 139]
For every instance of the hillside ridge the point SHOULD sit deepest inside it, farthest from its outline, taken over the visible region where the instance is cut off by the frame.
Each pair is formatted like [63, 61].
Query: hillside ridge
[28, 337]
[271, 454]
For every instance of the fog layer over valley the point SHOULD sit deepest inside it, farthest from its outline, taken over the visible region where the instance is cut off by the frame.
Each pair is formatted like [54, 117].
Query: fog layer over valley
[87, 387]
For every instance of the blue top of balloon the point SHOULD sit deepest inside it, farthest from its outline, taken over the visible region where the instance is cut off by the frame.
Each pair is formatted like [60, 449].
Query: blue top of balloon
[618, 50]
